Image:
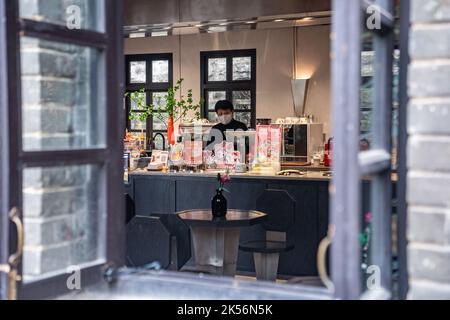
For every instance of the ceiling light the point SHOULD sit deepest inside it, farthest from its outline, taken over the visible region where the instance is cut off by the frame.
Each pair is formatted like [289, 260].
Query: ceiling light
[223, 24]
[250, 22]
[307, 19]
[159, 34]
[279, 20]
[198, 25]
[137, 35]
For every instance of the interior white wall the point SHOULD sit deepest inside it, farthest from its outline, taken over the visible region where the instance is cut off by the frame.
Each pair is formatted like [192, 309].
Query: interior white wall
[275, 64]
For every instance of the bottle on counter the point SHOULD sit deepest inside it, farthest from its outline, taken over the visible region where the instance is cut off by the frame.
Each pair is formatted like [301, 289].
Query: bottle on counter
[328, 155]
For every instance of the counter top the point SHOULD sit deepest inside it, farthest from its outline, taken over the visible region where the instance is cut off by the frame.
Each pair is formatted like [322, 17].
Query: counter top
[308, 176]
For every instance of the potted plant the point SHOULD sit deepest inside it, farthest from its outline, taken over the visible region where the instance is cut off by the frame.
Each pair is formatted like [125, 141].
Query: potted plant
[174, 108]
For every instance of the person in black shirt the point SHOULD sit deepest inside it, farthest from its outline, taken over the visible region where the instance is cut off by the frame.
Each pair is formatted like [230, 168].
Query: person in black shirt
[225, 114]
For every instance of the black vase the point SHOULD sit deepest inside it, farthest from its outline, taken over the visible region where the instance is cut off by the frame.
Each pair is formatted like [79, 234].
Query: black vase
[219, 205]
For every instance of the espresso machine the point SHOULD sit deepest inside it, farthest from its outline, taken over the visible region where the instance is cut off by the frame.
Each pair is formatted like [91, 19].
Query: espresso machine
[300, 142]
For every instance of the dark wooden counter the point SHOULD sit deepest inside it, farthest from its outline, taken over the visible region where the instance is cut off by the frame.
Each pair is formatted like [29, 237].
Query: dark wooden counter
[168, 193]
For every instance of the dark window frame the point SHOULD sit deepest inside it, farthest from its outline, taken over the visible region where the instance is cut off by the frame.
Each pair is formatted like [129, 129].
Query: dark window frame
[229, 85]
[350, 165]
[150, 88]
[109, 157]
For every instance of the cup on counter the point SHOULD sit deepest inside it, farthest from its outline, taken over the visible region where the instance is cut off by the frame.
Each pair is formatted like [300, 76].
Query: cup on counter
[241, 168]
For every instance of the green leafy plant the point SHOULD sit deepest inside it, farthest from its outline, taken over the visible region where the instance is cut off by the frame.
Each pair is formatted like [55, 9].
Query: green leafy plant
[174, 108]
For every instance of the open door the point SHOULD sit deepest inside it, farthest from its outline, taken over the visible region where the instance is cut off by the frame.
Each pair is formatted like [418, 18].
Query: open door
[61, 122]
[363, 181]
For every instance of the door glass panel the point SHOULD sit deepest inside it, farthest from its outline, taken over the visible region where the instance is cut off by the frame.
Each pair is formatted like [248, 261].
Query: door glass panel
[138, 72]
[73, 14]
[367, 87]
[217, 69]
[160, 70]
[242, 100]
[62, 106]
[242, 68]
[64, 219]
[214, 97]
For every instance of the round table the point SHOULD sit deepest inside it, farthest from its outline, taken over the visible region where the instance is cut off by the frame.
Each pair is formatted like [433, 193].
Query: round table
[216, 240]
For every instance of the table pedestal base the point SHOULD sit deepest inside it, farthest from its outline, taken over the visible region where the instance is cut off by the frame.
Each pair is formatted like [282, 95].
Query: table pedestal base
[216, 249]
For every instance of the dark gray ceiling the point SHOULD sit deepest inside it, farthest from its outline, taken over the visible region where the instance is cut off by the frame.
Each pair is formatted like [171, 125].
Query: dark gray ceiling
[151, 12]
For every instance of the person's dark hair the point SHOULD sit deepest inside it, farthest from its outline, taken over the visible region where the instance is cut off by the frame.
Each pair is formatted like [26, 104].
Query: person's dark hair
[224, 105]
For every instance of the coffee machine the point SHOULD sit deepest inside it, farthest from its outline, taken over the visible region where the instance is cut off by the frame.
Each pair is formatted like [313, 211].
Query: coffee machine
[300, 142]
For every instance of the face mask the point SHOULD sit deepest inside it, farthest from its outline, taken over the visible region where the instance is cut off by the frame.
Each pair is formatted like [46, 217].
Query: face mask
[225, 119]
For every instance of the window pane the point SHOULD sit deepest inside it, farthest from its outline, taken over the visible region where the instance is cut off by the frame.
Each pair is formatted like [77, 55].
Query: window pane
[160, 121]
[245, 117]
[214, 96]
[159, 142]
[217, 69]
[73, 14]
[212, 116]
[138, 72]
[242, 68]
[134, 105]
[242, 100]
[64, 219]
[137, 125]
[160, 70]
[62, 106]
[366, 121]
[160, 100]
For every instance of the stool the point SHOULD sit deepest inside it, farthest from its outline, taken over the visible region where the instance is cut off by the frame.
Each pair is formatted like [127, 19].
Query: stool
[280, 208]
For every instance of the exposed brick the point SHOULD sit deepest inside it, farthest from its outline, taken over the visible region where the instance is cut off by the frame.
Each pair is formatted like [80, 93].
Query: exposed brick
[426, 188]
[429, 225]
[39, 260]
[54, 230]
[55, 10]
[54, 142]
[38, 91]
[47, 119]
[430, 262]
[75, 176]
[430, 41]
[430, 10]
[53, 202]
[429, 79]
[423, 151]
[429, 116]
[428, 290]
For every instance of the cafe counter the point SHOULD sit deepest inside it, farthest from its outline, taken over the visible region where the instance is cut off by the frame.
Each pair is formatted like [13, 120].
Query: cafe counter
[156, 193]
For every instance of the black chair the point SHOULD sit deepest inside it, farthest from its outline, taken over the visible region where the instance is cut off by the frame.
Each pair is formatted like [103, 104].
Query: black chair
[129, 208]
[148, 241]
[180, 248]
[280, 208]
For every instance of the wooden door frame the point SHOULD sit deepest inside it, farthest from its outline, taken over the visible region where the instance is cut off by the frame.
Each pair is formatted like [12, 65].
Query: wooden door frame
[110, 157]
[4, 161]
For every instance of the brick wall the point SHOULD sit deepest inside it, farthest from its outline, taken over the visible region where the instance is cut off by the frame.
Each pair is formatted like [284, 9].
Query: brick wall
[59, 203]
[429, 150]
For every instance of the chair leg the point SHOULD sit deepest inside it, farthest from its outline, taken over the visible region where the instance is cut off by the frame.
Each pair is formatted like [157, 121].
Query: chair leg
[173, 254]
[266, 266]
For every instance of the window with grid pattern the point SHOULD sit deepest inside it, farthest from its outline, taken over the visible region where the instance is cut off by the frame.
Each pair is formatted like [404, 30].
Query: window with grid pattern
[154, 73]
[230, 75]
